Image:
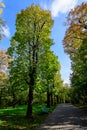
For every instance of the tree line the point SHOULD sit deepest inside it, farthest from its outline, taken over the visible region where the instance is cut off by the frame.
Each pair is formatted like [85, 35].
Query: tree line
[29, 70]
[32, 70]
[75, 44]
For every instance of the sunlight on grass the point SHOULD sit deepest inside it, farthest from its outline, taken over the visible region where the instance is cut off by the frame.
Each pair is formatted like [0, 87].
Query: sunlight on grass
[2, 122]
[14, 118]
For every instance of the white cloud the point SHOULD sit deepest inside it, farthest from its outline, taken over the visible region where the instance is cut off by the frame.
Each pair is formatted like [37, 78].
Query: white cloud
[62, 6]
[6, 31]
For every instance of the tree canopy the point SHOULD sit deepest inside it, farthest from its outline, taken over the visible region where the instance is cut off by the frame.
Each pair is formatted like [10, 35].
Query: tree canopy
[75, 44]
[31, 40]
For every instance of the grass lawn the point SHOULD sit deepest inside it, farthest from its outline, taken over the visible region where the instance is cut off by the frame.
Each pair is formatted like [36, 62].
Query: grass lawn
[14, 118]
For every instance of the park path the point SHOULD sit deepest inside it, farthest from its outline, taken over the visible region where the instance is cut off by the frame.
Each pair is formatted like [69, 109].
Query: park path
[65, 117]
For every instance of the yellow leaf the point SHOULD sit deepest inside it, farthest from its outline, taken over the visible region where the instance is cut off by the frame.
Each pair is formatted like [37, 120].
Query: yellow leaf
[0, 11]
[2, 5]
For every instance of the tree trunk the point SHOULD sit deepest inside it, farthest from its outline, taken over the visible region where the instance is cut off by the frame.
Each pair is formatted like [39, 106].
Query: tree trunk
[51, 99]
[30, 96]
[30, 100]
[32, 75]
[54, 100]
[48, 97]
[57, 99]
[14, 98]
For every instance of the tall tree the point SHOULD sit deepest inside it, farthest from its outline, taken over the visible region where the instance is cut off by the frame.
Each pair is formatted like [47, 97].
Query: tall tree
[79, 75]
[33, 28]
[75, 44]
[48, 70]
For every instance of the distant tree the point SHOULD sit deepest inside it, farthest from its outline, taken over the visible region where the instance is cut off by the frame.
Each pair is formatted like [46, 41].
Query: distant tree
[49, 79]
[4, 59]
[49, 68]
[57, 86]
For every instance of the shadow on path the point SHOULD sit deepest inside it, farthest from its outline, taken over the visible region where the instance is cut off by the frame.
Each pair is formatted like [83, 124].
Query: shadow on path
[65, 117]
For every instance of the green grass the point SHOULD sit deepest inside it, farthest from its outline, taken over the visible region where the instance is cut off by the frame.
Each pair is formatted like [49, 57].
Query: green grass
[14, 118]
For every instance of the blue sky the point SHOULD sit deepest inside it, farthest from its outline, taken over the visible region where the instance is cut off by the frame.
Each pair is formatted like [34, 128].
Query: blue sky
[59, 10]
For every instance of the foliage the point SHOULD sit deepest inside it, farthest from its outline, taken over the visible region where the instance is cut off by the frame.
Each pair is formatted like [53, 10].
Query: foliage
[4, 59]
[77, 29]
[1, 6]
[32, 37]
[75, 44]
[49, 68]
[79, 76]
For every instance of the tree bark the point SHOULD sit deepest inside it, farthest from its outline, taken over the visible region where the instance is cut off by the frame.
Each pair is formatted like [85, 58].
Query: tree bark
[32, 76]
[14, 97]
[57, 99]
[30, 100]
[51, 99]
[30, 95]
[48, 97]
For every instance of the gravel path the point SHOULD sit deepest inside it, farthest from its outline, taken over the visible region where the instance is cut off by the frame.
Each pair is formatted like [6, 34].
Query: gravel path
[65, 117]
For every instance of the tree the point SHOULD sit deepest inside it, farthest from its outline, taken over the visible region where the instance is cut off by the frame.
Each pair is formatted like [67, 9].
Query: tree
[77, 29]
[58, 86]
[48, 69]
[40, 91]
[75, 45]
[79, 75]
[33, 28]
[4, 59]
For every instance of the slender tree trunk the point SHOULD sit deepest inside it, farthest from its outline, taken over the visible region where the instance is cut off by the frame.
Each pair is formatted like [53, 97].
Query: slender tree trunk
[32, 76]
[48, 97]
[30, 95]
[54, 100]
[57, 99]
[14, 98]
[30, 100]
[51, 98]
